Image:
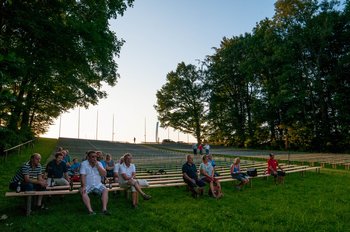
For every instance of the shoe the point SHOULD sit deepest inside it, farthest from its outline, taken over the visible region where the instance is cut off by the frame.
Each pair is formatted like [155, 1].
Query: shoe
[146, 197]
[195, 195]
[42, 207]
[106, 212]
[92, 213]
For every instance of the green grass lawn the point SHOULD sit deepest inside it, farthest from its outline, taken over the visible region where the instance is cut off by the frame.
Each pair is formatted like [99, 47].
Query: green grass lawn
[315, 202]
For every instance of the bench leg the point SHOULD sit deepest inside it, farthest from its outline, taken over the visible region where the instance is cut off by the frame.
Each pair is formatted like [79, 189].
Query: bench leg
[29, 205]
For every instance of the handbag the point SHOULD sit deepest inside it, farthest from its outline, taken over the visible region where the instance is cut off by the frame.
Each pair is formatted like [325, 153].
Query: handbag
[252, 172]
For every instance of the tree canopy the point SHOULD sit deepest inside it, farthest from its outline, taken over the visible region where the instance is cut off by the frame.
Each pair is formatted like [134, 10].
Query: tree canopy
[286, 84]
[54, 56]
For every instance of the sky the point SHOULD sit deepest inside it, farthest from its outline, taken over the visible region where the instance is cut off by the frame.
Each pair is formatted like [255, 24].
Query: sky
[159, 34]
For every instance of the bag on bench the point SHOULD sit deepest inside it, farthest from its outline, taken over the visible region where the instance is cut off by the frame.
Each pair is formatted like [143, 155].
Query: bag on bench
[252, 172]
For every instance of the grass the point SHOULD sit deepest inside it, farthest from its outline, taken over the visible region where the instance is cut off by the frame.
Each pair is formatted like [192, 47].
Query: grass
[315, 202]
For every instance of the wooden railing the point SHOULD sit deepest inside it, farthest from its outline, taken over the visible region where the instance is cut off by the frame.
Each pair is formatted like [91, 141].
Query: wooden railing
[19, 148]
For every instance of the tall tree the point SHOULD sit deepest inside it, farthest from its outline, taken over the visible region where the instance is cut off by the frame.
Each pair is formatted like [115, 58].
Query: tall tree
[181, 102]
[55, 55]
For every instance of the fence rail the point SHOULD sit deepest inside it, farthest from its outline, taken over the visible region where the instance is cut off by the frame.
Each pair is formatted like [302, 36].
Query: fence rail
[18, 148]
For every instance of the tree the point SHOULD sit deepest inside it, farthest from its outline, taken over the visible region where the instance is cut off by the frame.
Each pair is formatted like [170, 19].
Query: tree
[55, 55]
[181, 101]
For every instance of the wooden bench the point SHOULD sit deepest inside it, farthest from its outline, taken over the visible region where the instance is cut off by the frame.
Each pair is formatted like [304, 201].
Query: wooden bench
[171, 179]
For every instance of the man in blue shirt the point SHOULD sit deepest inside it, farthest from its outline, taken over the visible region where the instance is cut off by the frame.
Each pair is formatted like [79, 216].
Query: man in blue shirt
[190, 176]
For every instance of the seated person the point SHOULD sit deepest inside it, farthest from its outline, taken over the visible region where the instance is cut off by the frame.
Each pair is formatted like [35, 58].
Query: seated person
[29, 178]
[66, 157]
[206, 171]
[57, 171]
[109, 165]
[117, 169]
[74, 170]
[237, 174]
[212, 161]
[127, 177]
[190, 176]
[272, 166]
[91, 172]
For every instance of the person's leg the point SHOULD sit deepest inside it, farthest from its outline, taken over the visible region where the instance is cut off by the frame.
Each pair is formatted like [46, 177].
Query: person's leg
[104, 199]
[211, 185]
[86, 201]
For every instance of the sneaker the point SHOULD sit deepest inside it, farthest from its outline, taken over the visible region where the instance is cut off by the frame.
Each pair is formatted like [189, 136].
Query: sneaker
[92, 213]
[146, 197]
[106, 212]
[42, 207]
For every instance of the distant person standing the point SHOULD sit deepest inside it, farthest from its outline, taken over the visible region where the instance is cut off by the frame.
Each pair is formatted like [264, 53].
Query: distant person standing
[194, 147]
[134, 140]
[200, 147]
[207, 149]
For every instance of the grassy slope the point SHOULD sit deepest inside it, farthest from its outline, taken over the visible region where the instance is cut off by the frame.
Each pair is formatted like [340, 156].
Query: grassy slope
[316, 202]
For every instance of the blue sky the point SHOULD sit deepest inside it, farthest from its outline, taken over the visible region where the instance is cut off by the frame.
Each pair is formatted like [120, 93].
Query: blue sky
[159, 34]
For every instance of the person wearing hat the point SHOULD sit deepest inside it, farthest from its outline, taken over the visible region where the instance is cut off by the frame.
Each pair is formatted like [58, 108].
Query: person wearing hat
[272, 166]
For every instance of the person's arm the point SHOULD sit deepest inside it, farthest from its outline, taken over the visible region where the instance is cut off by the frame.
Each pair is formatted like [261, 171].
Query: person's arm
[100, 169]
[83, 183]
[188, 178]
[66, 176]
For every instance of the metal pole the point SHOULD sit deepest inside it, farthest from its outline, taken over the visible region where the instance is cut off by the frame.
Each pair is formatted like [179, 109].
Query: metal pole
[59, 129]
[145, 129]
[97, 125]
[79, 123]
[113, 128]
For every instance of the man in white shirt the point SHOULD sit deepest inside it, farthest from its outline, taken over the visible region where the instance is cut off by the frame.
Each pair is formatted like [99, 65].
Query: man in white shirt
[91, 171]
[127, 179]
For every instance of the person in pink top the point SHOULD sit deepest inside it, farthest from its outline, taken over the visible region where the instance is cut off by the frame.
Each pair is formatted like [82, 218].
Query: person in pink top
[272, 166]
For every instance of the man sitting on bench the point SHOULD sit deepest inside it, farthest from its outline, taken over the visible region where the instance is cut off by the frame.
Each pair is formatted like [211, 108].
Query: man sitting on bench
[190, 176]
[91, 171]
[272, 166]
[29, 178]
[127, 178]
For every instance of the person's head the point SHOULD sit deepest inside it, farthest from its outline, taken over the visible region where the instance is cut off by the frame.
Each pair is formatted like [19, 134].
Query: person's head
[121, 160]
[75, 160]
[60, 149]
[108, 157]
[272, 156]
[189, 159]
[35, 159]
[204, 159]
[237, 160]
[98, 154]
[127, 158]
[92, 157]
[58, 157]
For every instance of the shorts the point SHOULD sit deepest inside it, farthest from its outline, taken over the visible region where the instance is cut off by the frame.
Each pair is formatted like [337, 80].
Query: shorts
[98, 190]
[128, 184]
[239, 176]
[207, 180]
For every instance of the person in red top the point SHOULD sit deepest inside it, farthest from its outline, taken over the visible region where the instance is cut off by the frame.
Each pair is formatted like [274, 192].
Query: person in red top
[272, 166]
